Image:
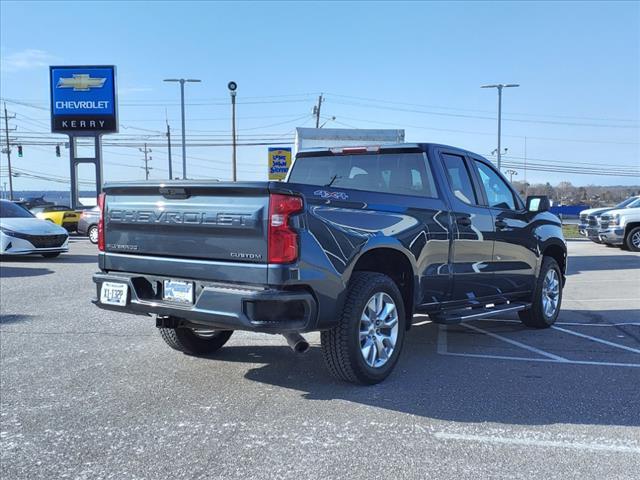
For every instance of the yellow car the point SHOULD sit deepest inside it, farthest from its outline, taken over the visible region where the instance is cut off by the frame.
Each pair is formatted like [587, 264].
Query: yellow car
[58, 214]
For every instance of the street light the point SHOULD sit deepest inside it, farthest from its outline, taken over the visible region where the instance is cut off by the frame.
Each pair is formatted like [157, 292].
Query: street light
[182, 81]
[233, 86]
[500, 86]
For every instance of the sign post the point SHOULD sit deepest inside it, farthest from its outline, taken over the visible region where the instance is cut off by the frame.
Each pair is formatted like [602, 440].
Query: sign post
[84, 107]
[279, 162]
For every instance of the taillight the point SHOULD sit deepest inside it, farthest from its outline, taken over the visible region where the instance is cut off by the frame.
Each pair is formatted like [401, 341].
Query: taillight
[101, 222]
[282, 239]
[68, 215]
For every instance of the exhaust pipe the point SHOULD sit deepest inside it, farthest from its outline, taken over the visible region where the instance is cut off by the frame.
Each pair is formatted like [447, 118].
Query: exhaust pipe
[297, 342]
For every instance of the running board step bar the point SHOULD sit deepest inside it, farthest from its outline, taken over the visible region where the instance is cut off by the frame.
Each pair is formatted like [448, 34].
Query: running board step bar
[457, 316]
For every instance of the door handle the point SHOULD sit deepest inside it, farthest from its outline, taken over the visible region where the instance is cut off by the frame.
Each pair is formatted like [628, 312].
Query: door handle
[464, 221]
[501, 224]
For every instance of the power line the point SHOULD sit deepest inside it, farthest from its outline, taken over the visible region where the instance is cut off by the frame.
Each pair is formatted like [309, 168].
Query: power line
[460, 115]
[376, 100]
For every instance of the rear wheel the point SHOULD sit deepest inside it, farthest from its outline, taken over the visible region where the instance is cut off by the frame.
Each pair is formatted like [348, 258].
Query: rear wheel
[195, 341]
[632, 240]
[93, 234]
[365, 345]
[547, 297]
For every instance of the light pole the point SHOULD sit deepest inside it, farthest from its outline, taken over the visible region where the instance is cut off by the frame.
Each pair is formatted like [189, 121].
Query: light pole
[233, 86]
[511, 173]
[500, 86]
[182, 81]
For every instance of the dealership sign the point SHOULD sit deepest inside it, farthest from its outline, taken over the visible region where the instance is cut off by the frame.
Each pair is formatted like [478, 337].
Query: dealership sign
[83, 99]
[279, 162]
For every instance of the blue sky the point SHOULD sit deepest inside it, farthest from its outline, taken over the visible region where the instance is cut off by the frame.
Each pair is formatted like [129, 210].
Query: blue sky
[416, 66]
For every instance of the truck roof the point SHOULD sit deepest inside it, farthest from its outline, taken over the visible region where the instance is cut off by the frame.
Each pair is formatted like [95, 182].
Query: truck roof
[423, 147]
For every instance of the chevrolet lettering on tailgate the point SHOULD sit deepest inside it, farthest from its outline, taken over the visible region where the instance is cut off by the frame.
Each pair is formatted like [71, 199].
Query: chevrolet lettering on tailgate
[177, 217]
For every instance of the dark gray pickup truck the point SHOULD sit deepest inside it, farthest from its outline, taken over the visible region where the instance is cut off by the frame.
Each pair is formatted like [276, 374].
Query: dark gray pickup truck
[354, 243]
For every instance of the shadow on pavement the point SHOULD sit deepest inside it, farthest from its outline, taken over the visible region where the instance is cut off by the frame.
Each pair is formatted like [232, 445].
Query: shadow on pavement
[14, 318]
[7, 271]
[461, 389]
[67, 258]
[579, 264]
[63, 258]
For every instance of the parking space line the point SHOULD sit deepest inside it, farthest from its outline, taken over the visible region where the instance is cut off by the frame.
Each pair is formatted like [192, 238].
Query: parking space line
[543, 360]
[534, 442]
[442, 340]
[598, 340]
[564, 300]
[578, 324]
[442, 350]
[517, 344]
[575, 324]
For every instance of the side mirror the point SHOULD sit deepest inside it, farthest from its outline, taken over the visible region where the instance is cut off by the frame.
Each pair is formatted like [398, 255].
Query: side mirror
[538, 203]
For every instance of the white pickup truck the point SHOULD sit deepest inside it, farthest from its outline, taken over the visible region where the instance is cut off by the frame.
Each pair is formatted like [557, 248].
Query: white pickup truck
[621, 227]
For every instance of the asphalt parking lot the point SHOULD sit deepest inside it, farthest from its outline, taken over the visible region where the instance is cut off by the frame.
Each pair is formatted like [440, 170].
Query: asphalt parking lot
[92, 394]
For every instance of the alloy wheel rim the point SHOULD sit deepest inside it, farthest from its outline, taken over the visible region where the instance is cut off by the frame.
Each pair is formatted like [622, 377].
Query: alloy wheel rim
[378, 330]
[550, 293]
[635, 240]
[93, 235]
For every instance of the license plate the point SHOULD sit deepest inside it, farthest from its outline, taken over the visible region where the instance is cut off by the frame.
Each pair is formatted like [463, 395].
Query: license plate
[178, 291]
[114, 293]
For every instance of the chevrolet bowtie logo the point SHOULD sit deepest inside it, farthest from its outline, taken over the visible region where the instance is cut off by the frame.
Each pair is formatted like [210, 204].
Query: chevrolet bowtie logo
[81, 82]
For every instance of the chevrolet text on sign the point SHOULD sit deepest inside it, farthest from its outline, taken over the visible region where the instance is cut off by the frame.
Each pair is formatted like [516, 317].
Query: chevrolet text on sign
[83, 99]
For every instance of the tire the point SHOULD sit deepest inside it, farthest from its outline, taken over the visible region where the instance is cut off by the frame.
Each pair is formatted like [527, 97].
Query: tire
[632, 240]
[343, 347]
[51, 255]
[536, 316]
[185, 340]
[92, 233]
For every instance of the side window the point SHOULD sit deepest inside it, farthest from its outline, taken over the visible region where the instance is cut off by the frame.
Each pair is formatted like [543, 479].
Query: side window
[499, 194]
[459, 178]
[406, 175]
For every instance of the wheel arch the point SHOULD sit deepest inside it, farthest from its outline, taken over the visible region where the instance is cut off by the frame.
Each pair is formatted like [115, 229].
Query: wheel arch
[396, 264]
[557, 251]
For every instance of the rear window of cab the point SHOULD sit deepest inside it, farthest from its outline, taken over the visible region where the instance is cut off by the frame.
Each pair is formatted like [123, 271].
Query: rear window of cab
[397, 173]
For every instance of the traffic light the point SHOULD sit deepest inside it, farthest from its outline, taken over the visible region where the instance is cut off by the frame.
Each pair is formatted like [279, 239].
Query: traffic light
[57, 150]
[20, 150]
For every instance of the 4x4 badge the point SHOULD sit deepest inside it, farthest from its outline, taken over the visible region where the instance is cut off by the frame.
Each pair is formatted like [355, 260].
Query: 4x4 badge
[334, 195]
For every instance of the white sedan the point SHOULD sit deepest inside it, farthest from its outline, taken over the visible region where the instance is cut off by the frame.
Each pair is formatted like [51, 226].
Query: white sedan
[23, 234]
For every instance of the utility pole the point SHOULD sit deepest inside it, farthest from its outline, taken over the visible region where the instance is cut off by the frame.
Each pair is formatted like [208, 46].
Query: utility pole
[316, 111]
[500, 86]
[169, 150]
[525, 167]
[147, 159]
[233, 86]
[6, 131]
[182, 81]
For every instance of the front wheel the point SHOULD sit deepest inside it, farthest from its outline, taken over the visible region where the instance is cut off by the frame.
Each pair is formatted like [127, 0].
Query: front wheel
[195, 341]
[632, 241]
[93, 234]
[365, 345]
[547, 297]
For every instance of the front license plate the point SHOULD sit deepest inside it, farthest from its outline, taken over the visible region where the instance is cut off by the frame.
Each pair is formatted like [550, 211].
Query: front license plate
[178, 291]
[114, 293]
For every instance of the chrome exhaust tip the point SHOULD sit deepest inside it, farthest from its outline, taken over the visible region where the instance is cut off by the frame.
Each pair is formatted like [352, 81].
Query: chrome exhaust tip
[297, 342]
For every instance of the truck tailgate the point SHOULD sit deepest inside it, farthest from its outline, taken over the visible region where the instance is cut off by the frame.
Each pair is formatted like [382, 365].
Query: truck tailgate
[204, 222]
